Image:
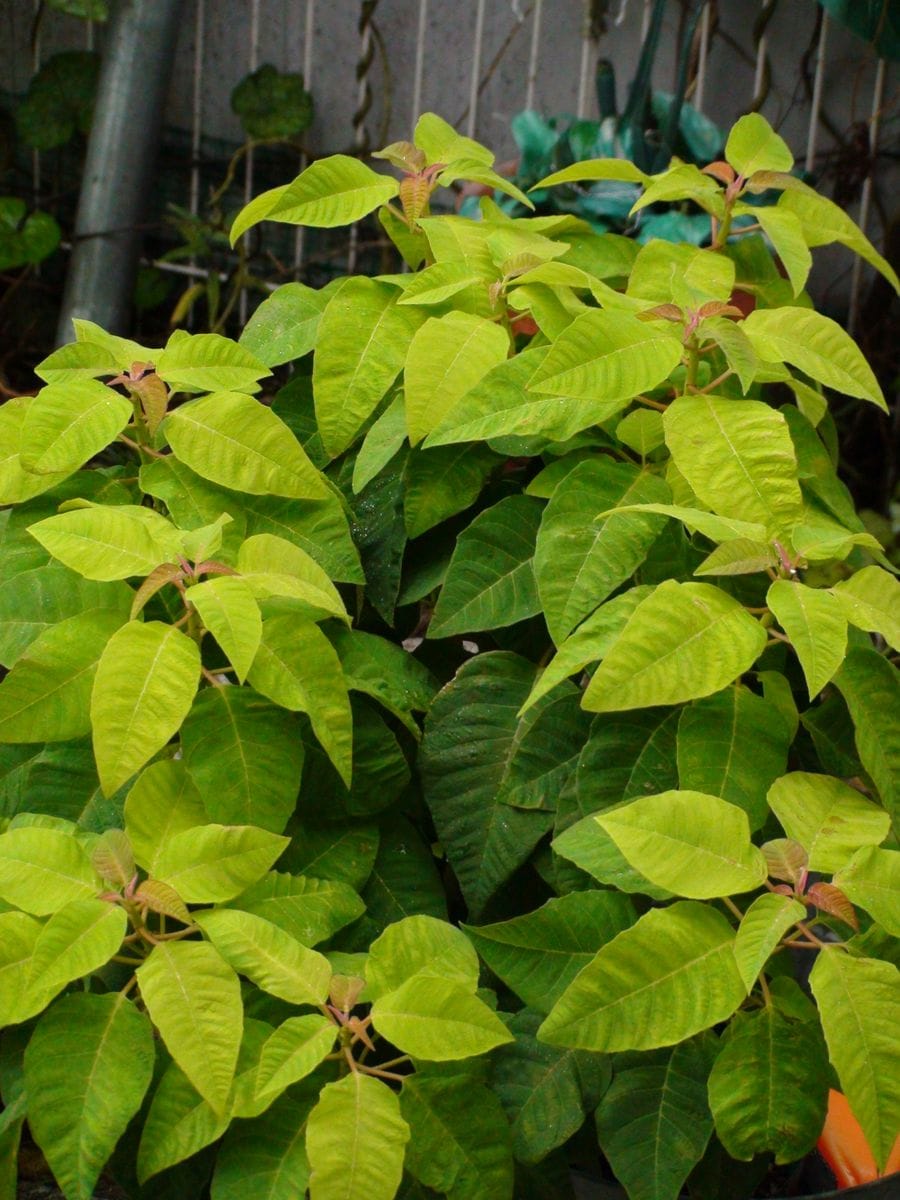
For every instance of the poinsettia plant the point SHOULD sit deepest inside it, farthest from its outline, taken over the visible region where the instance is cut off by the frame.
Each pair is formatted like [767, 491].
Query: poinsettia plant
[576, 501]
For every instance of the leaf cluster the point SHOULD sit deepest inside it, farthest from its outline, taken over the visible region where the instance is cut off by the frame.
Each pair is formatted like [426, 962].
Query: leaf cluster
[453, 753]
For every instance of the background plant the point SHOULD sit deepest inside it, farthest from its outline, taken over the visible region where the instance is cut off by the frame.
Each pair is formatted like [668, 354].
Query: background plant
[644, 796]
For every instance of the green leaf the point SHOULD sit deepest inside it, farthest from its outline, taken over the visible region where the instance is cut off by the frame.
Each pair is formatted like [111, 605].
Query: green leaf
[162, 801]
[593, 169]
[538, 954]
[384, 671]
[607, 355]
[295, 1049]
[768, 1089]
[871, 879]
[685, 641]
[738, 457]
[687, 842]
[308, 908]
[785, 232]
[380, 534]
[82, 360]
[46, 695]
[654, 1122]
[666, 978]
[297, 668]
[871, 687]
[437, 1020]
[363, 341]
[257, 210]
[420, 946]
[824, 222]
[542, 1089]
[460, 1140]
[17, 484]
[266, 1157]
[109, 542]
[146, 680]
[814, 621]
[237, 442]
[753, 145]
[333, 191]
[588, 643]
[344, 853]
[208, 362]
[441, 143]
[179, 1123]
[762, 927]
[641, 431]
[274, 566]
[485, 840]
[245, 756]
[817, 345]
[20, 998]
[59, 100]
[716, 528]
[477, 172]
[284, 327]
[208, 864]
[500, 405]
[871, 601]
[580, 558]
[66, 424]
[742, 556]
[268, 956]
[735, 345]
[230, 612]
[90, 1060]
[80, 938]
[733, 744]
[447, 357]
[404, 879]
[664, 272]
[829, 819]
[490, 581]
[441, 482]
[436, 283]
[860, 1010]
[272, 104]
[194, 999]
[355, 1141]
[42, 870]
[382, 441]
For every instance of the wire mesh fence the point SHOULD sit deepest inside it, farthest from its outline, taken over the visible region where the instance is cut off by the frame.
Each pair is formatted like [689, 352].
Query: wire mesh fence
[373, 67]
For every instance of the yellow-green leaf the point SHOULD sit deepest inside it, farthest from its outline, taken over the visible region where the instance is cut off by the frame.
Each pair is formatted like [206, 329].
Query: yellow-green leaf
[229, 611]
[817, 345]
[814, 621]
[738, 457]
[145, 683]
[687, 842]
[235, 441]
[684, 641]
[66, 424]
[194, 999]
[447, 357]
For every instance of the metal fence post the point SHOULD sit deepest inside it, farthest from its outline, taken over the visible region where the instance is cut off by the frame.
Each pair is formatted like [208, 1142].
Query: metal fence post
[121, 156]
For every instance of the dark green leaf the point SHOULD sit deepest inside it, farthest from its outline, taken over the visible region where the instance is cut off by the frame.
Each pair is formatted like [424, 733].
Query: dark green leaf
[654, 1122]
[470, 736]
[245, 755]
[272, 104]
[734, 745]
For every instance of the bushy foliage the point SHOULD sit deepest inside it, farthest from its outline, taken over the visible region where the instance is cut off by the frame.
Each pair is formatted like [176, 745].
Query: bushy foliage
[264, 927]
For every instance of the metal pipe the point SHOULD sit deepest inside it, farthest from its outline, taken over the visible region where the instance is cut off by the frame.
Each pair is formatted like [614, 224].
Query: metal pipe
[119, 164]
